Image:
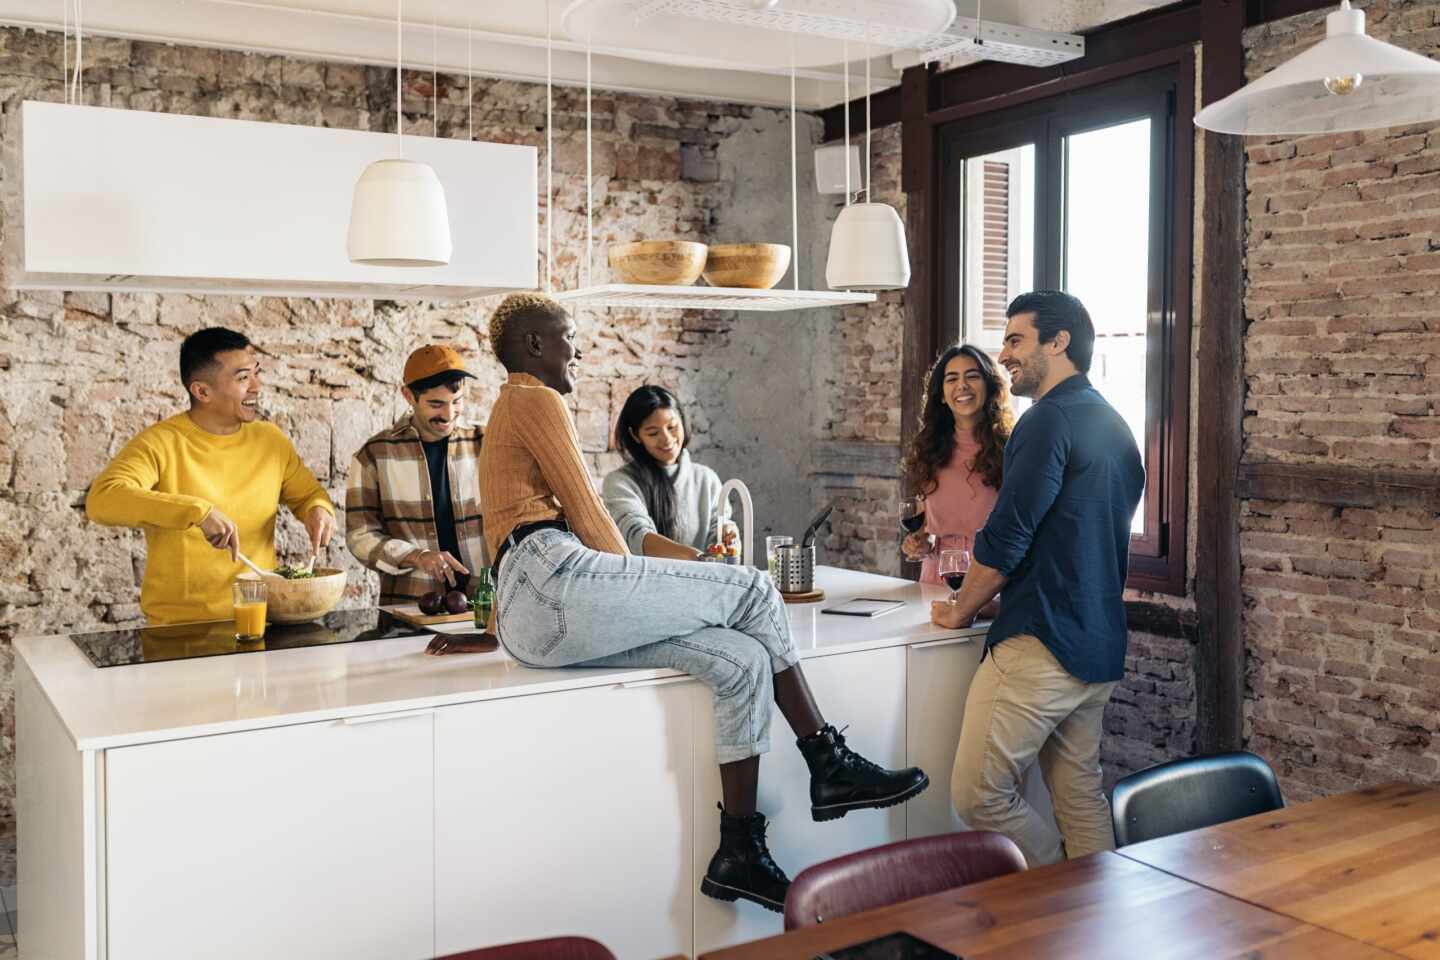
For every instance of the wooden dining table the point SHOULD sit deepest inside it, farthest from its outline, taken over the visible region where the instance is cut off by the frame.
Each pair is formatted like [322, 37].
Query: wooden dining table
[1363, 864]
[1356, 875]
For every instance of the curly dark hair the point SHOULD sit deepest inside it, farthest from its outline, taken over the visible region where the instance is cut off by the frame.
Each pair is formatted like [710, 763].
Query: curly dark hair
[934, 444]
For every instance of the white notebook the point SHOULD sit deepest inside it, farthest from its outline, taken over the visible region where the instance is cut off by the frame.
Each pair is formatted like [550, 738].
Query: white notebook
[865, 607]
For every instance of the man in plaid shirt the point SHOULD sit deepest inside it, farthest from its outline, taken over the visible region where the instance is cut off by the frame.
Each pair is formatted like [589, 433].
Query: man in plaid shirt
[412, 510]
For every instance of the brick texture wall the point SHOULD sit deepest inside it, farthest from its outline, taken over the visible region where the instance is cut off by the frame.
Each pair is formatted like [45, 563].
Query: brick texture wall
[81, 373]
[1342, 621]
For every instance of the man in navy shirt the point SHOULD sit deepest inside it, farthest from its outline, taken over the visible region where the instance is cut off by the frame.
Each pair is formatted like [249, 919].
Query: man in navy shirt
[1056, 548]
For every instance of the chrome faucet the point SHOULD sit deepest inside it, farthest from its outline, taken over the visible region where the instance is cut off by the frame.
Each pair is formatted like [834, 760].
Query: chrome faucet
[747, 540]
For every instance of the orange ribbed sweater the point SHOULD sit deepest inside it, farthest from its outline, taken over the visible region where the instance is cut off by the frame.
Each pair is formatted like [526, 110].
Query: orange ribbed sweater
[531, 469]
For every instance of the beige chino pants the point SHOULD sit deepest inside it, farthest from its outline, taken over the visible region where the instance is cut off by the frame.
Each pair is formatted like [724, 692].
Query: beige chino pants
[1024, 706]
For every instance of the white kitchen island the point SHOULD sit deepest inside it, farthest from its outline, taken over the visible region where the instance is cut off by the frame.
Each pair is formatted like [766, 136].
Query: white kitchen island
[364, 800]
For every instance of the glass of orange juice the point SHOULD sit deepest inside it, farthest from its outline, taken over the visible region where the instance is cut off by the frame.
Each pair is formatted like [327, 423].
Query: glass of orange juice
[249, 609]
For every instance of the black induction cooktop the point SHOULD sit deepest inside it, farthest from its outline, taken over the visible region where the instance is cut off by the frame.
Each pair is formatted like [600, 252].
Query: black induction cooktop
[215, 638]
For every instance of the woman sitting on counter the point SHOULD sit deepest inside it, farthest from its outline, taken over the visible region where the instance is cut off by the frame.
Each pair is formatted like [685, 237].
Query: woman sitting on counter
[664, 503]
[957, 459]
[570, 594]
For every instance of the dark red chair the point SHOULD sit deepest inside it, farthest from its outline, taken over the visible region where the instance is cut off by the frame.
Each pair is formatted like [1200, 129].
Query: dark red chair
[895, 872]
[551, 948]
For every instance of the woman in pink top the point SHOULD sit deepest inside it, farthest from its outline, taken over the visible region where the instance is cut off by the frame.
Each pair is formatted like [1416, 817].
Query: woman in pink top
[957, 458]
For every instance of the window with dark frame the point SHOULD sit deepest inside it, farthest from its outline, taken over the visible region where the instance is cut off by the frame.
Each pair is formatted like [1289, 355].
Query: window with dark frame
[1088, 191]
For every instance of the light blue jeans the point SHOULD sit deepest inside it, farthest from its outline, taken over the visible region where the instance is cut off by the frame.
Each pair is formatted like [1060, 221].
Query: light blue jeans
[565, 605]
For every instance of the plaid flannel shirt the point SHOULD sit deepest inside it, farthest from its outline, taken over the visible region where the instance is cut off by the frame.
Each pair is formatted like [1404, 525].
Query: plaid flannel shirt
[388, 509]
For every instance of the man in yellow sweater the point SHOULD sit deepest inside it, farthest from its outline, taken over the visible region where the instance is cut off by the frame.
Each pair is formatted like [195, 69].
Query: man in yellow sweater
[205, 485]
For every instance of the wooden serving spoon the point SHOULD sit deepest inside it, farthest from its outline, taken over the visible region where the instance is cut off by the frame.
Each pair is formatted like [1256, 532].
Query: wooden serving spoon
[264, 574]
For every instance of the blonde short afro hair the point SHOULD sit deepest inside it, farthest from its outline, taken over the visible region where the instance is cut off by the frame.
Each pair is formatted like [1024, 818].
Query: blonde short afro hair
[518, 305]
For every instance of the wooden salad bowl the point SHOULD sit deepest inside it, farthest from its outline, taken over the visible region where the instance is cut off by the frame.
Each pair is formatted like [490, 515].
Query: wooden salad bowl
[299, 601]
[758, 266]
[664, 262]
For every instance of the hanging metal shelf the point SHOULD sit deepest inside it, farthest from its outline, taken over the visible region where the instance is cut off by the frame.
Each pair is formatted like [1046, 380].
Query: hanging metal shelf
[658, 297]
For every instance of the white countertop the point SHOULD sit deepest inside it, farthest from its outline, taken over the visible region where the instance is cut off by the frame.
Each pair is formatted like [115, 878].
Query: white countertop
[143, 703]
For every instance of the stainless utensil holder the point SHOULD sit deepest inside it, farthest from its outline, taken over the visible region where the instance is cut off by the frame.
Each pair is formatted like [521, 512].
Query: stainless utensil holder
[795, 568]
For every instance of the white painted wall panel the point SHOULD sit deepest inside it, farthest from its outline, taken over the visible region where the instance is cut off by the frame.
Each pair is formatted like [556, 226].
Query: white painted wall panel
[124, 199]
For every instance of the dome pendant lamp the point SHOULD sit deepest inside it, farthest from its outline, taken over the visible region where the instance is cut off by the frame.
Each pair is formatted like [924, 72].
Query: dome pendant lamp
[398, 216]
[1348, 81]
[867, 244]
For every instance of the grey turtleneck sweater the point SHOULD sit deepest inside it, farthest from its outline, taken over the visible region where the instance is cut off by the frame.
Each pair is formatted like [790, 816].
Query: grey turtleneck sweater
[697, 496]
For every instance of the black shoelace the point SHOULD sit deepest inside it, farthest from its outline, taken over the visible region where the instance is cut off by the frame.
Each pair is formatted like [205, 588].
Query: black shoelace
[849, 757]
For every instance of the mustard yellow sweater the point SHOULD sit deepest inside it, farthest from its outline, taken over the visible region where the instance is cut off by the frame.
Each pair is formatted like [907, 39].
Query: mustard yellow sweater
[166, 480]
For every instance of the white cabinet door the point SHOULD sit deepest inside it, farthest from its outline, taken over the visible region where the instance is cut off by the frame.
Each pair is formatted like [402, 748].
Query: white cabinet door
[567, 813]
[939, 682]
[864, 690]
[308, 841]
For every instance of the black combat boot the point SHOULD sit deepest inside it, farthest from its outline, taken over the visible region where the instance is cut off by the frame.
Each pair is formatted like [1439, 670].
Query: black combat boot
[742, 867]
[841, 780]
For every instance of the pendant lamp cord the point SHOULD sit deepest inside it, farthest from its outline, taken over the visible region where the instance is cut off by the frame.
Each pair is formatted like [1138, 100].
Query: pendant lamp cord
[794, 181]
[869, 170]
[589, 177]
[399, 62]
[65, 49]
[470, 73]
[845, 60]
[549, 147]
[435, 76]
[74, 79]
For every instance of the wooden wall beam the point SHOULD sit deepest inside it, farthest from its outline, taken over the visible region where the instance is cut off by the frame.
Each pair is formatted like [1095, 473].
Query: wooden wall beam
[1340, 486]
[1220, 653]
[920, 181]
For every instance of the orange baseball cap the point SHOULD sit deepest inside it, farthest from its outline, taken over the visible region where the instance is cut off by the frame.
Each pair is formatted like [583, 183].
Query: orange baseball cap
[436, 358]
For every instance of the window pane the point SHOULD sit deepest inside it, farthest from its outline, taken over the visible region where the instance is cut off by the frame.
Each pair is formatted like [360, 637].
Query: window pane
[999, 241]
[1107, 259]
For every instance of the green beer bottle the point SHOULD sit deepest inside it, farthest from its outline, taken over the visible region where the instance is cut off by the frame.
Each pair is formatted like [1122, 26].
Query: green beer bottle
[483, 597]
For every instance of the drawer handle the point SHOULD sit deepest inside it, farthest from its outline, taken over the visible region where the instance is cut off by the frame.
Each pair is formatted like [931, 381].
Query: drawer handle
[382, 717]
[949, 641]
[658, 682]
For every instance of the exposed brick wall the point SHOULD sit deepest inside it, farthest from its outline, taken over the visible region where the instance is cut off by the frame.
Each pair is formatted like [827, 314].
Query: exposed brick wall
[1343, 367]
[81, 373]
[1151, 715]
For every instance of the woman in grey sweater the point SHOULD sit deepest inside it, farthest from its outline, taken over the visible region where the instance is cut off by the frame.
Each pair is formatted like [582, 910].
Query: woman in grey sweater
[664, 503]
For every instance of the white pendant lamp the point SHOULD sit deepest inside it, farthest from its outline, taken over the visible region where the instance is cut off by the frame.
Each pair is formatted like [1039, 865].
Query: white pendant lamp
[398, 216]
[867, 244]
[1348, 81]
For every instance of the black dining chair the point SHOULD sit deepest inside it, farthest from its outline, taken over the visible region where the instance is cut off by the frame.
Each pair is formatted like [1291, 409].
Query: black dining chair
[1193, 793]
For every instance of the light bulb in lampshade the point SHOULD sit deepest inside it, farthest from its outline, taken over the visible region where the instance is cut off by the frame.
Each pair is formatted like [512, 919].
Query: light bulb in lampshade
[1344, 85]
[1348, 81]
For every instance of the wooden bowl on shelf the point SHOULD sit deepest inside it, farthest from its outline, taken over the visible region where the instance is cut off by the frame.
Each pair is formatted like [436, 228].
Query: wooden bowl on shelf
[665, 262]
[758, 266]
[299, 601]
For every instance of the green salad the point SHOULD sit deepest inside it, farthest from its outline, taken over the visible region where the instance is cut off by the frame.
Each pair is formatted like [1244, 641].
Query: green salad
[294, 573]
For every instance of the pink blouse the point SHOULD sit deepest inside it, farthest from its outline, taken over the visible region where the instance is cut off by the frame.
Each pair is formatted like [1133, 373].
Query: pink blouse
[960, 504]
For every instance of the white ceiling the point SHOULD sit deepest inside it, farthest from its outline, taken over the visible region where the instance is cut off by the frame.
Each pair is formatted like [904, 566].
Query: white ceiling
[506, 38]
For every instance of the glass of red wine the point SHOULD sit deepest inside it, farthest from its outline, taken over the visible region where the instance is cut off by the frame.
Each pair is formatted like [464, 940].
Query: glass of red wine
[917, 544]
[954, 562]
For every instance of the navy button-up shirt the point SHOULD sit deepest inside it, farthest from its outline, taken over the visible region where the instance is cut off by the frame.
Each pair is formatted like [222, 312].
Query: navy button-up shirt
[1060, 530]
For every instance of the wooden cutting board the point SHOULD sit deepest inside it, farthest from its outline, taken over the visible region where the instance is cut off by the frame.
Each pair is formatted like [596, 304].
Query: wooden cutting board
[410, 613]
[812, 596]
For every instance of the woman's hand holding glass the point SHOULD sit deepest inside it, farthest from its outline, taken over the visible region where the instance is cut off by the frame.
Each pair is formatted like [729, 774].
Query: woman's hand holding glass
[917, 544]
